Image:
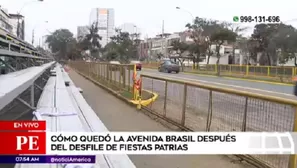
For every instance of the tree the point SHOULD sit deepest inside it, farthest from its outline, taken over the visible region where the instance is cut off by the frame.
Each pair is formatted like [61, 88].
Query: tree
[123, 48]
[220, 36]
[201, 31]
[195, 51]
[238, 31]
[180, 48]
[263, 34]
[276, 42]
[286, 41]
[111, 51]
[58, 42]
[92, 39]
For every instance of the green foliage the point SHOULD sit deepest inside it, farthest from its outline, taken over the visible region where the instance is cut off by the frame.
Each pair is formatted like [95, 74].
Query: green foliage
[179, 47]
[273, 41]
[93, 39]
[59, 41]
[276, 42]
[122, 47]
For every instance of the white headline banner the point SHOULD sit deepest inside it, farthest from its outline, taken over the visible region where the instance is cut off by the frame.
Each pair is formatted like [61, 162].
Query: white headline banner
[86, 143]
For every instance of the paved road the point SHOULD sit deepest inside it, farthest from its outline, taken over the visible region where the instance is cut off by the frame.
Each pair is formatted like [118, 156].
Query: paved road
[118, 116]
[252, 86]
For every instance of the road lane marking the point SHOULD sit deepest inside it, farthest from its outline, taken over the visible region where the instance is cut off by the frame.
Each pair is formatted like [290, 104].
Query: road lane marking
[217, 83]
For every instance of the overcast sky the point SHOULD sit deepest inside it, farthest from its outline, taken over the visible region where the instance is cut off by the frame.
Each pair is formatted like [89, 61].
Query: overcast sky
[147, 15]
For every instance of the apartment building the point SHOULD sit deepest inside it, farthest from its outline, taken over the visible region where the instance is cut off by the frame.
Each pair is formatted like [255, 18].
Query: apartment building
[144, 49]
[18, 24]
[5, 20]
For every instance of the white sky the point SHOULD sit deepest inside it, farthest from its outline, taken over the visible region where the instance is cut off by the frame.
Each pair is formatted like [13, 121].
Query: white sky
[147, 15]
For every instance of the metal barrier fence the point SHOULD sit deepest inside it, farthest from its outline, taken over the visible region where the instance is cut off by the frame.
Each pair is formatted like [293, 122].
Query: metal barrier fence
[198, 107]
[116, 77]
[280, 73]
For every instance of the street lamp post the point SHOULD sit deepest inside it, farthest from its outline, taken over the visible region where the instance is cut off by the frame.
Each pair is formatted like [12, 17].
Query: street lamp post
[179, 8]
[193, 21]
[19, 15]
[33, 32]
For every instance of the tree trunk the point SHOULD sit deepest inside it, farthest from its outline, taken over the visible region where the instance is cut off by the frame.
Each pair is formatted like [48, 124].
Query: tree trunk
[208, 58]
[194, 62]
[233, 55]
[269, 59]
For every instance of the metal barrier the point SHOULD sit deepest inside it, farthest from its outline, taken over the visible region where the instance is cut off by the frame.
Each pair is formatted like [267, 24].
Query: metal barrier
[197, 107]
[114, 76]
[279, 73]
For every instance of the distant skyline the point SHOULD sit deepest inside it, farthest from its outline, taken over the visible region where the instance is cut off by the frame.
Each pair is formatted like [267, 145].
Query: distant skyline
[147, 16]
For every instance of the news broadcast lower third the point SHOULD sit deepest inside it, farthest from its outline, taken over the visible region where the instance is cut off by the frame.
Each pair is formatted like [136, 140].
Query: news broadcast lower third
[29, 142]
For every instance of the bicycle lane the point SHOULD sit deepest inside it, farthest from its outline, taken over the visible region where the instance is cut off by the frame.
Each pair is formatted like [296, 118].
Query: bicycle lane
[118, 116]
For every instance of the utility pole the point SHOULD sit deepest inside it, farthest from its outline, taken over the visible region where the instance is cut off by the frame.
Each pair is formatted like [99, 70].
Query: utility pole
[33, 37]
[162, 40]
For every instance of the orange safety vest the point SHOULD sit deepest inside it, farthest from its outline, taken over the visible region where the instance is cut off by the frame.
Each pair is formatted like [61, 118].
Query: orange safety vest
[294, 78]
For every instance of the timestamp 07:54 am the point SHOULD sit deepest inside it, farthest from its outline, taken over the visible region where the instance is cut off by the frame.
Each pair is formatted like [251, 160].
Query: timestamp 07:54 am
[256, 19]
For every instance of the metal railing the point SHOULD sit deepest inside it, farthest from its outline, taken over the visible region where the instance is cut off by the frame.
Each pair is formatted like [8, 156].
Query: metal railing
[276, 73]
[12, 43]
[113, 76]
[198, 107]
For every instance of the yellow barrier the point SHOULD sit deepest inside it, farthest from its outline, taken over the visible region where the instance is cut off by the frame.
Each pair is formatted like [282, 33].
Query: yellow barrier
[276, 73]
[118, 78]
[199, 107]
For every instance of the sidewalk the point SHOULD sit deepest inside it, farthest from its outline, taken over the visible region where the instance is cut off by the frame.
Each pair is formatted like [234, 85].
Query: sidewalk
[118, 116]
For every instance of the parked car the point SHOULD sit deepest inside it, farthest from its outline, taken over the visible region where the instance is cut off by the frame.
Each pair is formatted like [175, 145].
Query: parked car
[168, 66]
[138, 65]
[114, 65]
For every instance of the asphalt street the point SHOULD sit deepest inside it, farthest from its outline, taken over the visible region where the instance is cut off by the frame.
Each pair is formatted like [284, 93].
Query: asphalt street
[239, 84]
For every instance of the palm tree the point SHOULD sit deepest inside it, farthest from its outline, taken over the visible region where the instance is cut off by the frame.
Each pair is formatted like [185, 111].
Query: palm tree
[94, 38]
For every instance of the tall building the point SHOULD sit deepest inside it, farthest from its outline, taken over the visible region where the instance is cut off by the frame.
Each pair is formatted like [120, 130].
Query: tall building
[82, 31]
[105, 19]
[5, 20]
[18, 21]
